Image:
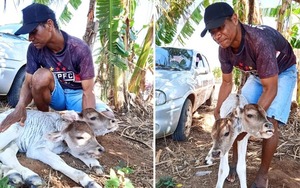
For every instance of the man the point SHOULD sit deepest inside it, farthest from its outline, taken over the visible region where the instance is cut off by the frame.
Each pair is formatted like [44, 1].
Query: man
[269, 58]
[59, 69]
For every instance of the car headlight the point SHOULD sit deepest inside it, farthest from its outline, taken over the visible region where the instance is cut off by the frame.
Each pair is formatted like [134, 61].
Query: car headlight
[160, 97]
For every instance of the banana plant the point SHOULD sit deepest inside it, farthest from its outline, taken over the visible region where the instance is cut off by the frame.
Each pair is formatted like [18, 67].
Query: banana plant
[139, 72]
[170, 13]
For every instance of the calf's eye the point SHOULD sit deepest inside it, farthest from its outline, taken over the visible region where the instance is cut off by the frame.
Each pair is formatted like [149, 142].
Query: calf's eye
[249, 115]
[79, 138]
[93, 118]
[226, 134]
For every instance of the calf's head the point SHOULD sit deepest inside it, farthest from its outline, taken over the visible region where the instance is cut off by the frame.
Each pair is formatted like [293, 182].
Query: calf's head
[80, 138]
[255, 122]
[223, 135]
[101, 122]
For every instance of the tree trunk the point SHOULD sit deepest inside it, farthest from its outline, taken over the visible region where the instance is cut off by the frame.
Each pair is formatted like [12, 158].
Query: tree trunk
[280, 20]
[91, 26]
[251, 12]
[118, 89]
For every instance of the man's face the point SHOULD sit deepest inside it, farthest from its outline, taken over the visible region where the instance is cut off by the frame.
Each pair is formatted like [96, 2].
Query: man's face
[39, 36]
[225, 34]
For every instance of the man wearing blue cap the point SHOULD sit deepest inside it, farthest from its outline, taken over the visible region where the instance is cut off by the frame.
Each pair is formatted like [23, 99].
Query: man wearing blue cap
[269, 59]
[59, 69]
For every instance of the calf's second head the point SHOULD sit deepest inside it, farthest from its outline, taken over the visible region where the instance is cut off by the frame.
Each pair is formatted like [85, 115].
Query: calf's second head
[101, 122]
[255, 122]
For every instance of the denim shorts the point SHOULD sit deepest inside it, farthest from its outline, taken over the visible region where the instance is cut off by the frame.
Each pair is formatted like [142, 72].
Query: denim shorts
[70, 99]
[280, 107]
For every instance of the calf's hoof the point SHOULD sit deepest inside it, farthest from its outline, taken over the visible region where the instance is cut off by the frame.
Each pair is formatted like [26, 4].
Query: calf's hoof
[92, 184]
[208, 161]
[35, 182]
[15, 180]
[99, 170]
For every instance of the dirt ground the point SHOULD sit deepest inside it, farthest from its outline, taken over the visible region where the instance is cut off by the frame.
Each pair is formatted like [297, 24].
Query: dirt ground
[130, 146]
[184, 161]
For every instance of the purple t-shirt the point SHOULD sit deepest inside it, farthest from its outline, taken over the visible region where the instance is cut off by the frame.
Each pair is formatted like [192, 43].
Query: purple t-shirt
[263, 52]
[70, 66]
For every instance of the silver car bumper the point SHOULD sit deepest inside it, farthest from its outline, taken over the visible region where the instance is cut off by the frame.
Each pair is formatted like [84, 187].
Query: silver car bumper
[167, 117]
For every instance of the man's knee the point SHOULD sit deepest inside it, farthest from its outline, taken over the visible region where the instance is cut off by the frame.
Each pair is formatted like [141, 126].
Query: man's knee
[42, 78]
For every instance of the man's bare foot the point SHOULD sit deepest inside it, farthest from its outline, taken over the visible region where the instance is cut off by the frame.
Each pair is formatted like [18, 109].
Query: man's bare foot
[232, 174]
[260, 182]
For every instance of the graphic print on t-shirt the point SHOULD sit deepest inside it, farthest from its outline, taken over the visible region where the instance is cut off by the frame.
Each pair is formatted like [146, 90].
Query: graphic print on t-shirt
[65, 76]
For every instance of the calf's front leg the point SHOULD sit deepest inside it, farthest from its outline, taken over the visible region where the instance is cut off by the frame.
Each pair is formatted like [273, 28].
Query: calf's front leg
[91, 163]
[57, 163]
[18, 173]
[241, 163]
[223, 170]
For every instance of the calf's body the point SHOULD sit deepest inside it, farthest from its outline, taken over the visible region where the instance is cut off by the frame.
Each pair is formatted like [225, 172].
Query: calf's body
[236, 117]
[47, 134]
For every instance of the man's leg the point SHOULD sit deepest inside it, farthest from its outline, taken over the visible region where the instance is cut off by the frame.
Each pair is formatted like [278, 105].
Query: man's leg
[268, 149]
[42, 86]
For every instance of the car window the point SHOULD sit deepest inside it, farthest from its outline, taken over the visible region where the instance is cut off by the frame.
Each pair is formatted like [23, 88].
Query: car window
[11, 29]
[205, 63]
[173, 58]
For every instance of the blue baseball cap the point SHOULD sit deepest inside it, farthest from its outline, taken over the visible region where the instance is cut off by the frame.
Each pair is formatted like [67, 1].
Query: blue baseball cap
[215, 16]
[33, 15]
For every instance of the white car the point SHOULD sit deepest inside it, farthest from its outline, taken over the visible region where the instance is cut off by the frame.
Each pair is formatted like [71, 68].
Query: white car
[183, 82]
[13, 52]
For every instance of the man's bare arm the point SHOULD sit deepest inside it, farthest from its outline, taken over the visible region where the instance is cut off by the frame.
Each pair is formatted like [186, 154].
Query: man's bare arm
[270, 86]
[225, 90]
[88, 97]
[19, 114]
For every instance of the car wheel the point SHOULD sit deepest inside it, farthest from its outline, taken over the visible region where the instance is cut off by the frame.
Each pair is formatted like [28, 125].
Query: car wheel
[14, 92]
[183, 129]
[210, 100]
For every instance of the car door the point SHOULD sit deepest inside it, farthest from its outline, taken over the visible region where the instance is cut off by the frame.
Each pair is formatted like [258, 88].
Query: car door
[203, 77]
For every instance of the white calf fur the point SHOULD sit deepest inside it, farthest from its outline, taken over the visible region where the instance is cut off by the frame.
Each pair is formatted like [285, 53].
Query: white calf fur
[47, 134]
[236, 117]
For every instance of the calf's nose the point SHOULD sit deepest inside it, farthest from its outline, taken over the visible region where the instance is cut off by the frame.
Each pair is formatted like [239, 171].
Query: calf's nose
[101, 149]
[216, 153]
[269, 125]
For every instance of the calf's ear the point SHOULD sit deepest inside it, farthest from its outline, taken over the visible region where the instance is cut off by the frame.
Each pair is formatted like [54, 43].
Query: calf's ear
[108, 114]
[69, 115]
[55, 136]
[237, 112]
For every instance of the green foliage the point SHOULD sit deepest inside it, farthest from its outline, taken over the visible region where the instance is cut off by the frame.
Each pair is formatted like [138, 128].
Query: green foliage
[112, 30]
[166, 182]
[4, 183]
[124, 168]
[236, 76]
[118, 179]
[217, 72]
[170, 13]
[295, 41]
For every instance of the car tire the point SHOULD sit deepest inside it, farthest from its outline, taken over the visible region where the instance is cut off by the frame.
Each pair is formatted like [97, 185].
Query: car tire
[183, 129]
[14, 92]
[210, 100]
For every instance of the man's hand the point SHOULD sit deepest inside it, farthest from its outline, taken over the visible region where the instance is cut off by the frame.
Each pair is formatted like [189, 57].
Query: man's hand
[217, 113]
[18, 115]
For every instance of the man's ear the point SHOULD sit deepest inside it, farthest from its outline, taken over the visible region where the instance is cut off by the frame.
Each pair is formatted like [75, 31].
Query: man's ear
[235, 19]
[50, 24]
